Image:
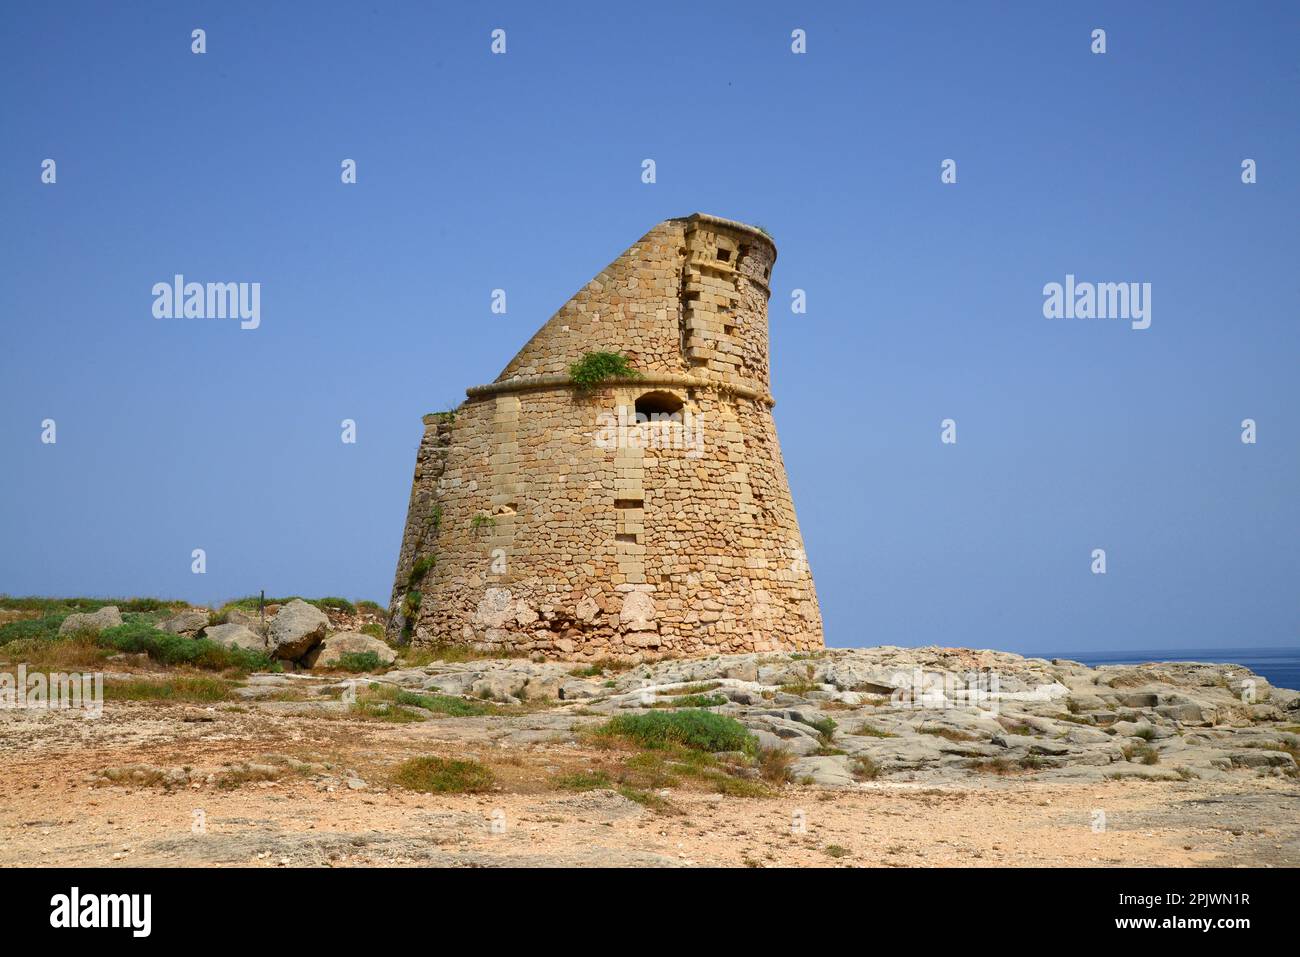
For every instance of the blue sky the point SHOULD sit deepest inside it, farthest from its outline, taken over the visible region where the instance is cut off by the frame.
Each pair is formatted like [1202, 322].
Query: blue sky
[522, 172]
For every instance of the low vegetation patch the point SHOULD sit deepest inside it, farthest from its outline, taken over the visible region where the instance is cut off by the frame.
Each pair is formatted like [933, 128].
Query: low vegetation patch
[444, 704]
[433, 775]
[595, 368]
[45, 628]
[868, 731]
[668, 768]
[385, 711]
[825, 728]
[693, 701]
[583, 781]
[1013, 726]
[1291, 747]
[1141, 754]
[864, 769]
[951, 734]
[135, 637]
[72, 652]
[695, 689]
[774, 765]
[421, 655]
[798, 688]
[66, 606]
[599, 667]
[358, 661]
[649, 799]
[200, 688]
[701, 730]
[992, 765]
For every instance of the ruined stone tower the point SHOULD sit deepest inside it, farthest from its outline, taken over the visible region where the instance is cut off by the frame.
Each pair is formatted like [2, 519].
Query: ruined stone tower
[547, 517]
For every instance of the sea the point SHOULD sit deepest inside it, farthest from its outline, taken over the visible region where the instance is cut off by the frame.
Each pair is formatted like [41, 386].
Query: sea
[1281, 666]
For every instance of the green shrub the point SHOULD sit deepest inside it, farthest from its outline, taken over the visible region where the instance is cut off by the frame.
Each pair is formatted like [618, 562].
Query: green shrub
[701, 730]
[865, 769]
[411, 603]
[358, 661]
[596, 367]
[370, 607]
[825, 727]
[137, 637]
[443, 704]
[441, 776]
[420, 569]
[1141, 754]
[334, 603]
[693, 701]
[373, 629]
[40, 629]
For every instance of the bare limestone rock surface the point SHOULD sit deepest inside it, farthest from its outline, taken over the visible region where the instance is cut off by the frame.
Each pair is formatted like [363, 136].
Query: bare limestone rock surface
[235, 636]
[927, 756]
[856, 717]
[92, 623]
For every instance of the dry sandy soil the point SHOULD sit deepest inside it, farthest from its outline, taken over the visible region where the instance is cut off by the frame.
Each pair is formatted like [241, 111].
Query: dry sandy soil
[338, 807]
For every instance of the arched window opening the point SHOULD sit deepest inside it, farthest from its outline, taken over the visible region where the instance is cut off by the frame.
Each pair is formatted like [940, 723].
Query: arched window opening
[653, 404]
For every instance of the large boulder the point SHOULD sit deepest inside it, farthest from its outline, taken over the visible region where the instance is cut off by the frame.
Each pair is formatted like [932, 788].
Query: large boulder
[91, 624]
[333, 648]
[188, 622]
[296, 630]
[251, 620]
[235, 636]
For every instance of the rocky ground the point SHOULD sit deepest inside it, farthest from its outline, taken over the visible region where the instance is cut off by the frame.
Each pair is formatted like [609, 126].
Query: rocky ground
[878, 757]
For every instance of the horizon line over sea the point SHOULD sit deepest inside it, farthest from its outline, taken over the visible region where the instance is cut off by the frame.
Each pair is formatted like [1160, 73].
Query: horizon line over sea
[1279, 664]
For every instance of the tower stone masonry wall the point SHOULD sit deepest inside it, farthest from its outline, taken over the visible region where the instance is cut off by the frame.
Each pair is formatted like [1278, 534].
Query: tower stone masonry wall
[546, 519]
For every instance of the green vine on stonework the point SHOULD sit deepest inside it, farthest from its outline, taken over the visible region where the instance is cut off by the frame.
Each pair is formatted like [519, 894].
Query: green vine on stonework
[597, 367]
[411, 604]
[419, 569]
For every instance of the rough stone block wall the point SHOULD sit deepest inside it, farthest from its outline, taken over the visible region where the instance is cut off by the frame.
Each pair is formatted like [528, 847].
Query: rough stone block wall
[538, 523]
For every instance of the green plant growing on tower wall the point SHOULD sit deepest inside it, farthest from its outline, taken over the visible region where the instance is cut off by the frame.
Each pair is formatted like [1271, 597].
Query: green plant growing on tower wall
[596, 367]
[482, 520]
[420, 569]
[411, 604]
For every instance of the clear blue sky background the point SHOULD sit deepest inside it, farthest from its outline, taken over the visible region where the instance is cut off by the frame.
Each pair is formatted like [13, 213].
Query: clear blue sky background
[523, 172]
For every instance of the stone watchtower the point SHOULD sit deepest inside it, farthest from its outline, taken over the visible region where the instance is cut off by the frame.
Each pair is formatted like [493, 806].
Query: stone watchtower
[545, 517]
